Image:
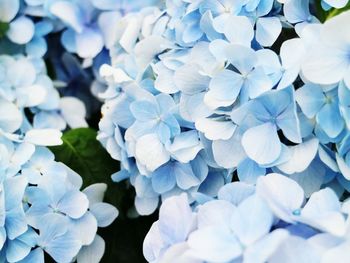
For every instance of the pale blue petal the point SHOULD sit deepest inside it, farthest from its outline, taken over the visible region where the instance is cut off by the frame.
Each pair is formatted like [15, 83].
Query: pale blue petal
[249, 171]
[241, 57]
[323, 211]
[92, 253]
[229, 153]
[89, 43]
[261, 143]
[190, 81]
[175, 219]
[37, 47]
[9, 9]
[151, 152]
[206, 25]
[104, 213]
[301, 157]
[106, 4]
[36, 256]
[153, 243]
[312, 178]
[325, 65]
[216, 129]
[44, 137]
[21, 30]
[85, 228]
[252, 221]
[296, 11]
[310, 99]
[144, 110]
[70, 13]
[282, 194]
[146, 206]
[74, 204]
[214, 244]
[64, 248]
[95, 192]
[295, 249]
[68, 40]
[14, 191]
[257, 82]
[261, 250]
[239, 30]
[164, 179]
[10, 116]
[215, 213]
[185, 178]
[268, 30]
[223, 89]
[15, 224]
[337, 254]
[336, 3]
[236, 192]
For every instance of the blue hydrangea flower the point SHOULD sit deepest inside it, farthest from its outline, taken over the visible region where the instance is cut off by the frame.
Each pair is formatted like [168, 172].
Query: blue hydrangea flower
[250, 224]
[328, 61]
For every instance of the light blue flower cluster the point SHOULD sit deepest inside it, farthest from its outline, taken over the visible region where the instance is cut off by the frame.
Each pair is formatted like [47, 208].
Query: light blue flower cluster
[43, 209]
[196, 95]
[86, 24]
[73, 36]
[41, 206]
[269, 222]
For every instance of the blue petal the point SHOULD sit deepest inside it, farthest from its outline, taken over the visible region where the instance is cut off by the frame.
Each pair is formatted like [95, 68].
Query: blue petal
[69, 13]
[296, 11]
[268, 30]
[215, 213]
[89, 43]
[214, 244]
[144, 110]
[37, 47]
[295, 246]
[252, 221]
[104, 213]
[92, 253]
[261, 250]
[282, 194]
[175, 219]
[9, 9]
[223, 89]
[323, 211]
[146, 206]
[21, 30]
[330, 120]
[310, 99]
[151, 152]
[36, 255]
[241, 57]
[261, 143]
[248, 171]
[236, 192]
[239, 30]
[74, 204]
[185, 178]
[189, 81]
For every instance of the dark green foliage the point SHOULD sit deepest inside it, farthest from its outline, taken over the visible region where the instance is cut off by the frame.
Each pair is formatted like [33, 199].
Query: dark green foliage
[3, 29]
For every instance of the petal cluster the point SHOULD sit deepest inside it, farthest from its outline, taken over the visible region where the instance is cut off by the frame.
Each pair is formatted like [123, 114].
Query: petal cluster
[198, 95]
[268, 222]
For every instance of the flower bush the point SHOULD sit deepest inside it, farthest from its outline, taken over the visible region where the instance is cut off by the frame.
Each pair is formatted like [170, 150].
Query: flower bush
[229, 116]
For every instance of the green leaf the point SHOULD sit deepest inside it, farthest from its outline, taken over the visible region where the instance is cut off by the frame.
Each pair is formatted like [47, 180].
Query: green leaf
[3, 28]
[85, 155]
